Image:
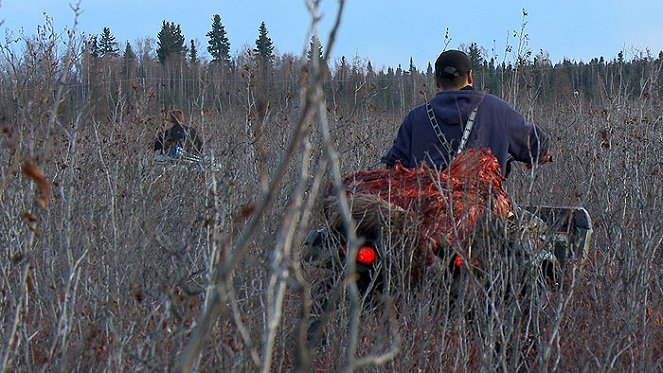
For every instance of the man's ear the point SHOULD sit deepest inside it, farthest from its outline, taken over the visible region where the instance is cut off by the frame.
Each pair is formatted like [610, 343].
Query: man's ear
[470, 80]
[437, 83]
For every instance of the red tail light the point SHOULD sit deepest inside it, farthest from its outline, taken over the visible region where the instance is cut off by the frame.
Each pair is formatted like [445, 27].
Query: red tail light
[458, 262]
[366, 255]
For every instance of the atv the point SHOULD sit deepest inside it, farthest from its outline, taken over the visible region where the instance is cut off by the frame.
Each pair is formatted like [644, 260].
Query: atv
[563, 235]
[177, 154]
[457, 222]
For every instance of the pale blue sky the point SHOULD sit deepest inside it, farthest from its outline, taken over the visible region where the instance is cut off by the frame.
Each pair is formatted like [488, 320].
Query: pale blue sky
[386, 32]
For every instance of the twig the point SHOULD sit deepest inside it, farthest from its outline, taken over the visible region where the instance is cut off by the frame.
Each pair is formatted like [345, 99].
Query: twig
[222, 273]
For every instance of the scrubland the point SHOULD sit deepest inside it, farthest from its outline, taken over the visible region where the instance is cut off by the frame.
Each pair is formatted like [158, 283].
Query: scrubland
[110, 262]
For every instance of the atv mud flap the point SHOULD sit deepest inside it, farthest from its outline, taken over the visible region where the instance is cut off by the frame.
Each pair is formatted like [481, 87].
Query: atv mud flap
[569, 229]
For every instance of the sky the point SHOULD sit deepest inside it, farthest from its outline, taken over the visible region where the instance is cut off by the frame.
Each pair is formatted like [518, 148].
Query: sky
[385, 32]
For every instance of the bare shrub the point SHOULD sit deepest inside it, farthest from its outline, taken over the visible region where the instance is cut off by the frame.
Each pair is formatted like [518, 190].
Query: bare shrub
[113, 263]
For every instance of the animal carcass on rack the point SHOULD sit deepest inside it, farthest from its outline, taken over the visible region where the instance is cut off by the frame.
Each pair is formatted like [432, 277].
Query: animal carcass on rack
[435, 209]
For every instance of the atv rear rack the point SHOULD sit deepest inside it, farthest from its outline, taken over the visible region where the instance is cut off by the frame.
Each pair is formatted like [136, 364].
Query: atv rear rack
[569, 229]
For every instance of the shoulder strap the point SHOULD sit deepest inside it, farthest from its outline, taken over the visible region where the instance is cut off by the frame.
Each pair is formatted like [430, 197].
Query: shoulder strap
[468, 130]
[433, 122]
[438, 131]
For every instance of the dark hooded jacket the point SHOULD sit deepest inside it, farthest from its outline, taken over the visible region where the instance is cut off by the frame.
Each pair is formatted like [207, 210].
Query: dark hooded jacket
[497, 126]
[182, 135]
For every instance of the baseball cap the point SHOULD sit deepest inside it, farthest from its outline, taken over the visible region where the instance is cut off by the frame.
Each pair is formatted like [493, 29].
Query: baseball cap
[453, 63]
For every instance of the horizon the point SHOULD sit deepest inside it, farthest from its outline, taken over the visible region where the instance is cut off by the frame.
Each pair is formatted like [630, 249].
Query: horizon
[631, 34]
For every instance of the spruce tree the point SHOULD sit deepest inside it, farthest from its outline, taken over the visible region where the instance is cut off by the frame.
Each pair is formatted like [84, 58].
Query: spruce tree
[179, 40]
[412, 69]
[193, 53]
[474, 53]
[107, 44]
[170, 41]
[93, 46]
[429, 70]
[312, 47]
[264, 47]
[128, 60]
[370, 73]
[129, 53]
[218, 44]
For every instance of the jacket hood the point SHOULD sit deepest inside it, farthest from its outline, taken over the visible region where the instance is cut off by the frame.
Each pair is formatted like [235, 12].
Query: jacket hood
[454, 107]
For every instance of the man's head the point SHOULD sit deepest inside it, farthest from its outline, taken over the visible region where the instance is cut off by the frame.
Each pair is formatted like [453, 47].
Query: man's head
[453, 70]
[176, 116]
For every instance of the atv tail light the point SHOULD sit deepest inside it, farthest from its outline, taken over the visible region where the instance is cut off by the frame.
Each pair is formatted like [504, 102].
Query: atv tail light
[459, 261]
[366, 255]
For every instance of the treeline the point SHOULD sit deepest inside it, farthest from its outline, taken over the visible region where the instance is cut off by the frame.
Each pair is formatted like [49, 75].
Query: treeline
[168, 71]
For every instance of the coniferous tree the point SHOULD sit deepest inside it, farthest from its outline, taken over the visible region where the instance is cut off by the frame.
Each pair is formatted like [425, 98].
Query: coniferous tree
[429, 70]
[312, 47]
[218, 44]
[107, 44]
[129, 66]
[193, 53]
[264, 47]
[412, 69]
[342, 73]
[477, 62]
[93, 46]
[370, 72]
[129, 52]
[170, 41]
[128, 58]
[474, 53]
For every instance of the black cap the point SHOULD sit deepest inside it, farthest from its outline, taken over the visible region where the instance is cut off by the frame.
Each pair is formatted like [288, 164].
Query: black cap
[452, 63]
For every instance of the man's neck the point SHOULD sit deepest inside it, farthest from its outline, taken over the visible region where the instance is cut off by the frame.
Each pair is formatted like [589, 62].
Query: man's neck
[467, 87]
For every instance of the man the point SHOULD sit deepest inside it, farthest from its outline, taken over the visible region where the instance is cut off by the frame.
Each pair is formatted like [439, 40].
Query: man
[178, 137]
[458, 111]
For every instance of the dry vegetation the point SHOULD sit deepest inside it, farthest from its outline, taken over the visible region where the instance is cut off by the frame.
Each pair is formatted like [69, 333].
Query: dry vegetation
[112, 263]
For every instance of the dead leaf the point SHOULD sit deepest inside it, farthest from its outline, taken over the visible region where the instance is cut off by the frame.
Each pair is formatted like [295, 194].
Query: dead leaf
[30, 217]
[247, 210]
[31, 170]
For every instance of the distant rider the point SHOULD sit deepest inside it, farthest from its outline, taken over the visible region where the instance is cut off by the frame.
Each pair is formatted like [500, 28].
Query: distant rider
[179, 137]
